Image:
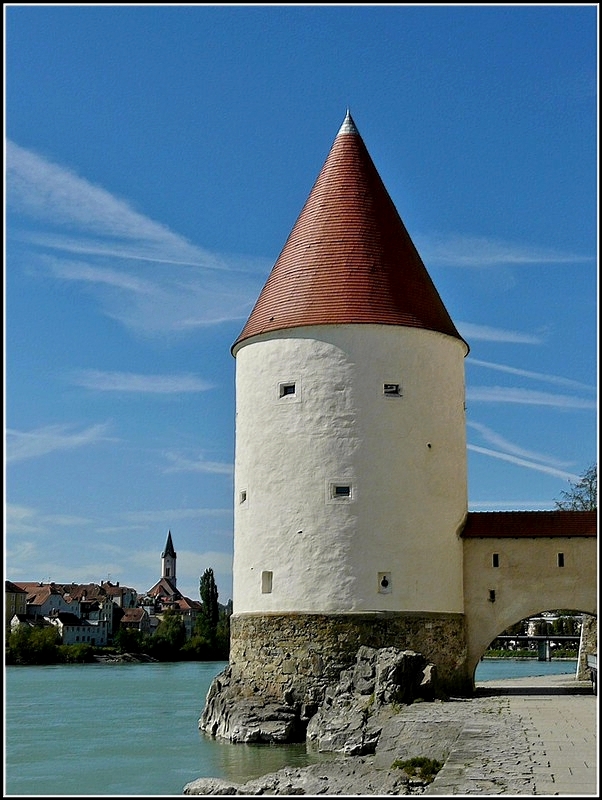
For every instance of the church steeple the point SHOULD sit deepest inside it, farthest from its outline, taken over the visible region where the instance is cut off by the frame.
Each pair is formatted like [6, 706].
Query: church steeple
[168, 561]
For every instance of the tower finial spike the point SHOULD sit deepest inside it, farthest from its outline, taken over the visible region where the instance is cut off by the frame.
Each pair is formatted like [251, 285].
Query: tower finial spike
[348, 125]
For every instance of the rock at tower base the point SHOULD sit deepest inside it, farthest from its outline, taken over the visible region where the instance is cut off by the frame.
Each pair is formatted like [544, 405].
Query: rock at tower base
[344, 722]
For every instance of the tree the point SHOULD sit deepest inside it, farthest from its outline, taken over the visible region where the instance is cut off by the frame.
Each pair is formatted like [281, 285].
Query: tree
[583, 494]
[209, 615]
[128, 640]
[170, 636]
[33, 645]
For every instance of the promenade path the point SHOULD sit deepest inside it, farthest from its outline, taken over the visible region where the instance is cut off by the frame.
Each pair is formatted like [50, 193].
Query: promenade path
[524, 736]
[543, 741]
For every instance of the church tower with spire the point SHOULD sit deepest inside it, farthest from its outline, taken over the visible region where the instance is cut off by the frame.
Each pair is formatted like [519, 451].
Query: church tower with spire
[168, 561]
[350, 466]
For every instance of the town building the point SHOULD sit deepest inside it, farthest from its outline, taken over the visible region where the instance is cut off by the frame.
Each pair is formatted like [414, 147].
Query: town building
[75, 630]
[97, 609]
[136, 619]
[15, 602]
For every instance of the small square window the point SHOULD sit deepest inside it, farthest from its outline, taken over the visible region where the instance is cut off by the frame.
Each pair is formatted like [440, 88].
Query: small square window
[287, 390]
[340, 491]
[392, 390]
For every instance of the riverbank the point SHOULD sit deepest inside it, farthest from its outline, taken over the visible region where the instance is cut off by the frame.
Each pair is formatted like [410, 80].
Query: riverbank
[125, 658]
[533, 735]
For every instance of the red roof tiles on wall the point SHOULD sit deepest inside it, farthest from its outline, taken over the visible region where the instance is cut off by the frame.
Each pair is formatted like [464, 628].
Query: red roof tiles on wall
[529, 524]
[349, 257]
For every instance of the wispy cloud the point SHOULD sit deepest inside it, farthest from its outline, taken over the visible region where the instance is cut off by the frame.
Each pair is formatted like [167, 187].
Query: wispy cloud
[132, 382]
[537, 376]
[26, 520]
[479, 252]
[23, 445]
[154, 281]
[511, 505]
[149, 278]
[508, 447]
[485, 333]
[503, 394]
[180, 463]
[48, 192]
[169, 515]
[515, 454]
[521, 462]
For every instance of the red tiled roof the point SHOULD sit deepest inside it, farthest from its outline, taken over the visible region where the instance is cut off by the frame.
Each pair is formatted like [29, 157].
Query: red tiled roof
[164, 588]
[133, 615]
[185, 603]
[530, 524]
[349, 257]
[12, 588]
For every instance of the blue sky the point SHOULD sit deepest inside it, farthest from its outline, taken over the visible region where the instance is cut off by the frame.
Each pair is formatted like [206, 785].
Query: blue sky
[157, 158]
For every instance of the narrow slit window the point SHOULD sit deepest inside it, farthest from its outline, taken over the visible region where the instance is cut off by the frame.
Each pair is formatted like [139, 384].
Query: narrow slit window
[495, 560]
[287, 389]
[266, 582]
[560, 559]
[243, 496]
[392, 389]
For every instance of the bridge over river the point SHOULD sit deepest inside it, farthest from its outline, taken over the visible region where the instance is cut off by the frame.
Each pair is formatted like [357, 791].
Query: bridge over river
[544, 642]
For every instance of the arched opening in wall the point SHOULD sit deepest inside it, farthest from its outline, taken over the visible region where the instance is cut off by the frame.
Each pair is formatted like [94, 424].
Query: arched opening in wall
[551, 642]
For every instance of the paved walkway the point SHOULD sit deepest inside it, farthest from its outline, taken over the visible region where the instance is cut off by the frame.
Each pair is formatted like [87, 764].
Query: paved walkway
[538, 737]
[527, 736]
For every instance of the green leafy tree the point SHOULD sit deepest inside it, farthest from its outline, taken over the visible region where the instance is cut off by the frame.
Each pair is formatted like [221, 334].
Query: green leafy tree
[518, 629]
[223, 633]
[197, 648]
[34, 646]
[128, 640]
[583, 494]
[542, 627]
[76, 653]
[566, 625]
[170, 636]
[208, 619]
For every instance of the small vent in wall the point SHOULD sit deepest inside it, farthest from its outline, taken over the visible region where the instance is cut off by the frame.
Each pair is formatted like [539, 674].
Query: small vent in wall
[384, 582]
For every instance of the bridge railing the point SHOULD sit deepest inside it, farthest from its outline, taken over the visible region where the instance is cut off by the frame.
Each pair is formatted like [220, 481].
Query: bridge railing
[542, 642]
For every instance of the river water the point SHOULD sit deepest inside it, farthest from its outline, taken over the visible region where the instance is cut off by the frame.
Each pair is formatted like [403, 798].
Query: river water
[132, 729]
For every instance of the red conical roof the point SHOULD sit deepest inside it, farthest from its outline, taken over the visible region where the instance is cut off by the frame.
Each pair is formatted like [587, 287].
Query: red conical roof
[349, 258]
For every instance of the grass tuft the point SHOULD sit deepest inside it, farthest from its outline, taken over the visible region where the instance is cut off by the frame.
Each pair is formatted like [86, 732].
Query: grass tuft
[419, 766]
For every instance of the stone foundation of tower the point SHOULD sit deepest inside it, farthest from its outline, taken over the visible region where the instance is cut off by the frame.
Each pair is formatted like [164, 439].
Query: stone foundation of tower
[293, 657]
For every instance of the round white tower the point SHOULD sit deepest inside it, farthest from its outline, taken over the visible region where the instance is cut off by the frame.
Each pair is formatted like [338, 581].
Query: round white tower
[350, 473]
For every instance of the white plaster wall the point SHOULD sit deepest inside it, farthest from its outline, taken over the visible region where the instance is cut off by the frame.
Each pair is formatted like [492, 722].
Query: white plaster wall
[527, 581]
[408, 500]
